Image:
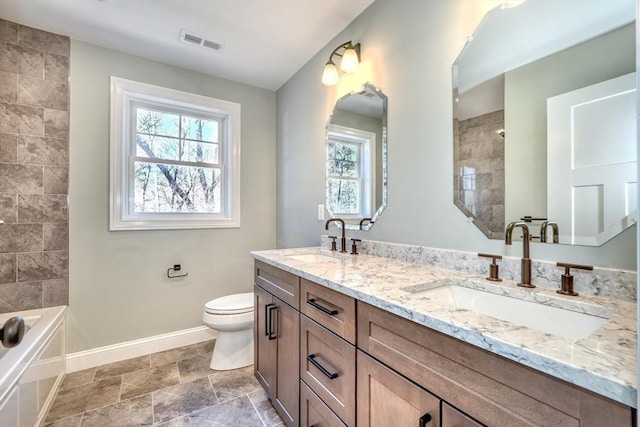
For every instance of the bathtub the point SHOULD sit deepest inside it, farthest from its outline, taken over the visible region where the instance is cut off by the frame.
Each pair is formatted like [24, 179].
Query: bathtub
[31, 372]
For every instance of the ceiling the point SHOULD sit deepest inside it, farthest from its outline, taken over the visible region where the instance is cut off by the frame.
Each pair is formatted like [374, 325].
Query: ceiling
[265, 42]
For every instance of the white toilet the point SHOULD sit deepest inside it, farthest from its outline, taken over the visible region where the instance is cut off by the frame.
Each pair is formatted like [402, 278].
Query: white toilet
[232, 317]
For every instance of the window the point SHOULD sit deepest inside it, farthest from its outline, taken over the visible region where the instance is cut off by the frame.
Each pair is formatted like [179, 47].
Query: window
[349, 184]
[175, 159]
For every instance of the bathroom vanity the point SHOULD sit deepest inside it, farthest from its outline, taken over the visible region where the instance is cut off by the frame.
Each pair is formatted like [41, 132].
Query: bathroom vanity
[363, 340]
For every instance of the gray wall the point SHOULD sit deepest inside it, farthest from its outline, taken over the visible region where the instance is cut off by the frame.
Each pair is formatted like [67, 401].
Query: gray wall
[34, 152]
[407, 50]
[118, 285]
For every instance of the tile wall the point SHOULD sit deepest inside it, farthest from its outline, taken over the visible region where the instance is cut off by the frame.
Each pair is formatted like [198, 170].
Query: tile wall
[34, 160]
[479, 169]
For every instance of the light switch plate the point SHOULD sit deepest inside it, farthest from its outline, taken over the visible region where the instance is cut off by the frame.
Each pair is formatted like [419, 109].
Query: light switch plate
[320, 212]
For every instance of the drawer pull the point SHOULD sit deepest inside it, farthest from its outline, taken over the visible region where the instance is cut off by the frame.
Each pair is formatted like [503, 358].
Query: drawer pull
[331, 375]
[425, 419]
[270, 310]
[312, 302]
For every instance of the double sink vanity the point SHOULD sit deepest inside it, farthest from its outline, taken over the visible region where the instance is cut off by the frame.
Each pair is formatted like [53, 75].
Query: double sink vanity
[367, 340]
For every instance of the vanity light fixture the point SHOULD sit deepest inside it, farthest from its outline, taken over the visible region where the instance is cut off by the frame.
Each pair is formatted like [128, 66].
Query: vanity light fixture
[350, 62]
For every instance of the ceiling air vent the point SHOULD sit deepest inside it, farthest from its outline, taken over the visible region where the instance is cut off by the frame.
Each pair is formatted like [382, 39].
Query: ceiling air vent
[189, 37]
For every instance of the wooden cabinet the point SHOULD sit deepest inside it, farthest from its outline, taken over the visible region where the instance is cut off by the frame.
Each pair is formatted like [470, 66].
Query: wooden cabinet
[277, 345]
[333, 310]
[451, 417]
[328, 366]
[314, 412]
[401, 373]
[387, 399]
[491, 389]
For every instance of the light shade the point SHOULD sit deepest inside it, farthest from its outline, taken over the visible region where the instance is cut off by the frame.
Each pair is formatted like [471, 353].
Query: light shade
[349, 62]
[330, 74]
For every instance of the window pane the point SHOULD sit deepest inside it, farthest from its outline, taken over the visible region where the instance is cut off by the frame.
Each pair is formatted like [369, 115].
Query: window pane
[200, 129]
[158, 147]
[343, 196]
[342, 159]
[174, 188]
[157, 122]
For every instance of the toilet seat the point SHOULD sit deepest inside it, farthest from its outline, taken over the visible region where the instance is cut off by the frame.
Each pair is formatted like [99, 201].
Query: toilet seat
[230, 304]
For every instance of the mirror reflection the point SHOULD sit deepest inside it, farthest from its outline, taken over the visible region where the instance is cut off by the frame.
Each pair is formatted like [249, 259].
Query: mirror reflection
[545, 120]
[356, 158]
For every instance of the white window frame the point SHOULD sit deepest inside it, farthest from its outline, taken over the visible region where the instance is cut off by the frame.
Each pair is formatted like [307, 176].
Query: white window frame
[366, 156]
[125, 94]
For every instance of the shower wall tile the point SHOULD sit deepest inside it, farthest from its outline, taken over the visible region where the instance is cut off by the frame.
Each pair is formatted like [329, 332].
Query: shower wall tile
[8, 31]
[42, 208]
[35, 150]
[42, 266]
[9, 208]
[8, 87]
[56, 123]
[55, 292]
[43, 40]
[34, 173]
[8, 268]
[56, 68]
[24, 61]
[56, 236]
[24, 119]
[21, 179]
[43, 93]
[20, 296]
[8, 147]
[21, 238]
[56, 180]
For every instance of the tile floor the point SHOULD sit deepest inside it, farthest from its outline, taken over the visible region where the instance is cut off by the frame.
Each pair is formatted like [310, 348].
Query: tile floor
[174, 388]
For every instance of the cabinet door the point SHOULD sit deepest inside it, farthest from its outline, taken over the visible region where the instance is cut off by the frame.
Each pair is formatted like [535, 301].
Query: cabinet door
[385, 398]
[286, 328]
[451, 417]
[264, 348]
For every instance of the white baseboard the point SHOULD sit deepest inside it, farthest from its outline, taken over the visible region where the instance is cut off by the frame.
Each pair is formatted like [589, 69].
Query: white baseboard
[126, 350]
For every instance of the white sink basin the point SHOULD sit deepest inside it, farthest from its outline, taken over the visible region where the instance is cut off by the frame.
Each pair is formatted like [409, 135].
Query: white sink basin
[561, 322]
[313, 257]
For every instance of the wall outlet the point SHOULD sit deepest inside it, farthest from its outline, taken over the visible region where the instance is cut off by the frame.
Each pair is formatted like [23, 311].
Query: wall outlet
[320, 212]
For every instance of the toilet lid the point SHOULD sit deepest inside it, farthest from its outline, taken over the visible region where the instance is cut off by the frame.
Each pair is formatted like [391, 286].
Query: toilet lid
[231, 304]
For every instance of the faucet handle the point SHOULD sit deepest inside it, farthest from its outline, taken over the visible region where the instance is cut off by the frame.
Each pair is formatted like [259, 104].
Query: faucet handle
[566, 287]
[354, 247]
[494, 274]
[333, 242]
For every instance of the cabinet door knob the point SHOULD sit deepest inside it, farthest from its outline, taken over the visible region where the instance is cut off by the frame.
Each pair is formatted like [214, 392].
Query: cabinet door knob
[426, 418]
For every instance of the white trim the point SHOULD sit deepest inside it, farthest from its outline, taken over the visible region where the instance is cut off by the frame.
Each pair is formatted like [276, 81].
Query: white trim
[123, 92]
[141, 347]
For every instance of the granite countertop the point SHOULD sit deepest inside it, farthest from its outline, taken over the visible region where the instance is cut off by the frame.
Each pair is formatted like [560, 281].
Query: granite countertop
[603, 361]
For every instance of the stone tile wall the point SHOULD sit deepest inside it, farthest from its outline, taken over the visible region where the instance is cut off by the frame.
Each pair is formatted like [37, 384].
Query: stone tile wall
[34, 160]
[479, 170]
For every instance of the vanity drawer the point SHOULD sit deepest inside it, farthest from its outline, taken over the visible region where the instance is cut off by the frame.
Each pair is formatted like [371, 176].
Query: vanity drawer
[328, 367]
[280, 283]
[333, 310]
[492, 389]
[314, 412]
[451, 417]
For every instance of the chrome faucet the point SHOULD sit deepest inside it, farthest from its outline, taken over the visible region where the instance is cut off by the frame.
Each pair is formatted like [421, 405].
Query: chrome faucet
[525, 269]
[543, 231]
[343, 240]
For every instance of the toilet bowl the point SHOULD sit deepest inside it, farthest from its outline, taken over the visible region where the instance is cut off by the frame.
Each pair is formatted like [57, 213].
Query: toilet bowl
[232, 317]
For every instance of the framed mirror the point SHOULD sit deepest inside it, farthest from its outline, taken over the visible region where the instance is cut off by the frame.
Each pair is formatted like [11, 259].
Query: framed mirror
[545, 120]
[356, 158]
